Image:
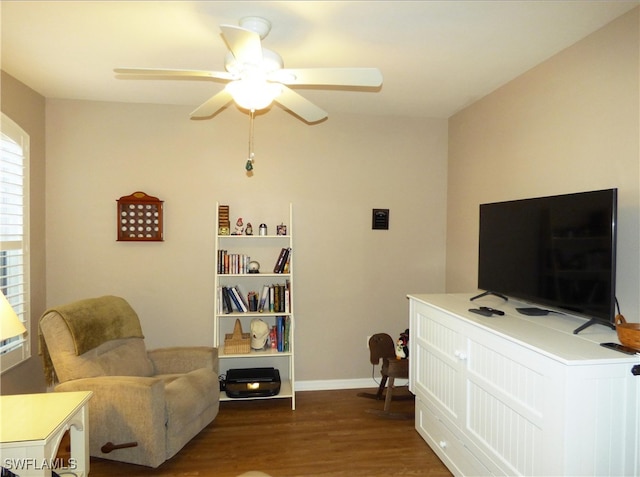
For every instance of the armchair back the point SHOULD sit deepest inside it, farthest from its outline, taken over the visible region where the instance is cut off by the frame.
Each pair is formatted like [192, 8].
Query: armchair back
[115, 348]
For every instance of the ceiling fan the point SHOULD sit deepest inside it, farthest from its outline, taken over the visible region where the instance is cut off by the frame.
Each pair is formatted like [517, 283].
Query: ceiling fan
[256, 76]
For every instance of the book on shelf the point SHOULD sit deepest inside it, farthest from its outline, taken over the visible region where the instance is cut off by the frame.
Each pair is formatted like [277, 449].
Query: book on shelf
[273, 338]
[252, 301]
[264, 297]
[282, 261]
[220, 262]
[277, 298]
[219, 301]
[225, 301]
[287, 298]
[280, 333]
[272, 294]
[287, 333]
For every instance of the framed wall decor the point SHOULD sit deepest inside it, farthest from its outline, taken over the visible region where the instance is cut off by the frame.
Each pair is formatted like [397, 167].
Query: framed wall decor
[140, 218]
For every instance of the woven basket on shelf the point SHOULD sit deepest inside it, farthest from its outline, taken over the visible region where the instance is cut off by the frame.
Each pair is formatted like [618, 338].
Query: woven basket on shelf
[237, 342]
[628, 333]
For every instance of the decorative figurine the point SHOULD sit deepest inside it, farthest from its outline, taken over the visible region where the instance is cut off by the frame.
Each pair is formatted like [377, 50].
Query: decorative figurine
[281, 229]
[239, 227]
[402, 345]
[249, 229]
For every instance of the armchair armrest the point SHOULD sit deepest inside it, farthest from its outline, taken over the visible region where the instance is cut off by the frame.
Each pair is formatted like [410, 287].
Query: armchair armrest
[183, 359]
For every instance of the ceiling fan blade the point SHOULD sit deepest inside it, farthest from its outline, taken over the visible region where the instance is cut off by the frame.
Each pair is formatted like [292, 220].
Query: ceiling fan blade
[328, 76]
[153, 73]
[244, 44]
[300, 106]
[212, 105]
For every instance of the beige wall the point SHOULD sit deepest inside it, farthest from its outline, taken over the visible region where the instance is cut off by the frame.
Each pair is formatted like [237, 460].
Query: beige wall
[27, 109]
[570, 124]
[350, 281]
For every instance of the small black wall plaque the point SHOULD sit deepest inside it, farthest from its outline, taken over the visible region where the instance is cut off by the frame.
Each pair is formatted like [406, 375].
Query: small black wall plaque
[380, 219]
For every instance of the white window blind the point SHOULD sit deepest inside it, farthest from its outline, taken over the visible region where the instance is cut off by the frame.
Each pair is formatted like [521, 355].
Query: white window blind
[14, 234]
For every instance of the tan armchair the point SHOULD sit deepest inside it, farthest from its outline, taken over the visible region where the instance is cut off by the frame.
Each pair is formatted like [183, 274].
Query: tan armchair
[147, 404]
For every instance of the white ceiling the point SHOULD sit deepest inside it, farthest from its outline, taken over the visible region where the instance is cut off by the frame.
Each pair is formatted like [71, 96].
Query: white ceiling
[436, 57]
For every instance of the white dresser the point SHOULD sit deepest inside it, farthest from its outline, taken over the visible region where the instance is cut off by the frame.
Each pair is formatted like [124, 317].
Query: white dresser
[518, 395]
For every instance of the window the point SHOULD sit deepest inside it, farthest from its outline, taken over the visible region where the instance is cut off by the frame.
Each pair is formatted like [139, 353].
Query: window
[14, 234]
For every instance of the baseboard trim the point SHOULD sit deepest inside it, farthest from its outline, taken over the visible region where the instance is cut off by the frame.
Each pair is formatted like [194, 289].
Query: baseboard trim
[332, 384]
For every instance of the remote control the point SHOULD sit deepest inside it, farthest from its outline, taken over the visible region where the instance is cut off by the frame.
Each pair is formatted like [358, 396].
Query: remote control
[621, 348]
[492, 310]
[480, 311]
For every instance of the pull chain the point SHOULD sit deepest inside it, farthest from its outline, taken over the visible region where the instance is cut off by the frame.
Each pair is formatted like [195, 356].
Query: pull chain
[249, 164]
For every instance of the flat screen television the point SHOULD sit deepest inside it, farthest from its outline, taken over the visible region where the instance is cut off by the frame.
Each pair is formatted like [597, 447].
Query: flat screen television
[557, 252]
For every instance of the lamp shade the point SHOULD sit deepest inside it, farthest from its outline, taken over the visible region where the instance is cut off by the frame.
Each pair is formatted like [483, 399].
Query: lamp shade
[10, 324]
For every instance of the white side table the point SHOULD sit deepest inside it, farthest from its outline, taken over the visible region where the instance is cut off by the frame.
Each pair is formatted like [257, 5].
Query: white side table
[32, 426]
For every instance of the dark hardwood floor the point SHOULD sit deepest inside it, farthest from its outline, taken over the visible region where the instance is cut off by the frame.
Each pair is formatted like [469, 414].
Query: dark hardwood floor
[329, 434]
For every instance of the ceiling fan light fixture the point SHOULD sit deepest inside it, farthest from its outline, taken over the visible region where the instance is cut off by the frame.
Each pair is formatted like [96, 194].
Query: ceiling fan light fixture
[253, 95]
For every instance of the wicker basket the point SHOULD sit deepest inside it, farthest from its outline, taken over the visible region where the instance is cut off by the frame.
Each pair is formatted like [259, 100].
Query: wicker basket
[237, 342]
[628, 333]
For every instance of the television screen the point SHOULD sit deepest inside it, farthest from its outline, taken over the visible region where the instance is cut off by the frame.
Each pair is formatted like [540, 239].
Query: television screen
[557, 252]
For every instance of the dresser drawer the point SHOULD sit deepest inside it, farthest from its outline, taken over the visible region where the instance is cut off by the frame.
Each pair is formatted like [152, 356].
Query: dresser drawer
[447, 447]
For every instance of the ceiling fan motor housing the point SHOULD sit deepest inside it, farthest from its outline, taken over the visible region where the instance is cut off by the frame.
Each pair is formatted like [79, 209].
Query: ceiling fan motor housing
[258, 25]
[271, 61]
